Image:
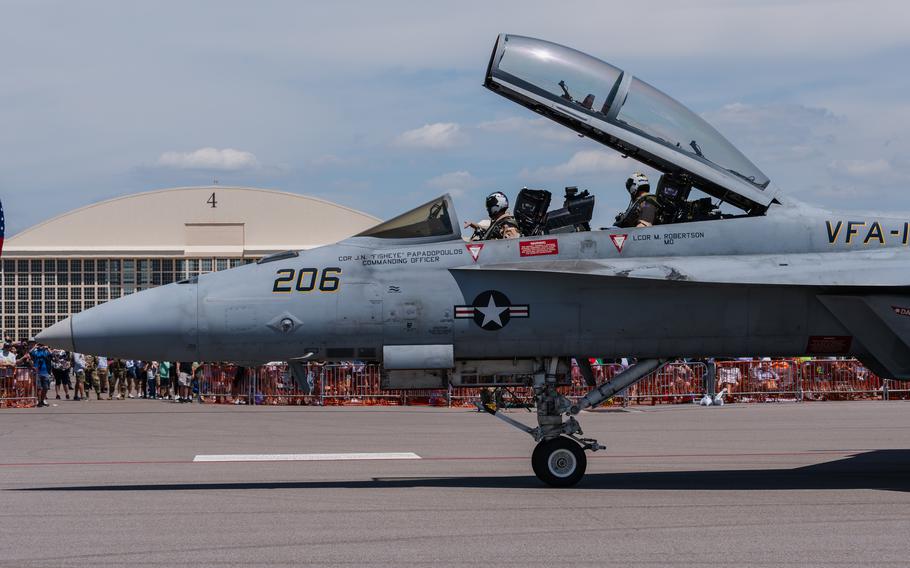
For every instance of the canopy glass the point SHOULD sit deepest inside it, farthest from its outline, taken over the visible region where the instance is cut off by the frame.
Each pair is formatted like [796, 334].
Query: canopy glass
[608, 104]
[431, 220]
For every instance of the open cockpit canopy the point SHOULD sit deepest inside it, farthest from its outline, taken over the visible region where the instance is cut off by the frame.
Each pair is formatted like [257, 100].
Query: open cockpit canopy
[434, 221]
[611, 106]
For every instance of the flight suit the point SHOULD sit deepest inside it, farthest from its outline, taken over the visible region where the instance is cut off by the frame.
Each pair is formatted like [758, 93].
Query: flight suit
[498, 227]
[643, 209]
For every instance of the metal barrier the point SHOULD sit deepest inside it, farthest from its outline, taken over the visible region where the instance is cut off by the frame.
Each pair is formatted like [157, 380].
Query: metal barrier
[225, 384]
[679, 382]
[758, 380]
[674, 383]
[18, 387]
[823, 379]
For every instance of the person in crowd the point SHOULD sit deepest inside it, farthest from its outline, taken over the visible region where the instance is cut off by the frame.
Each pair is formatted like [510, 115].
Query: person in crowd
[173, 380]
[40, 357]
[502, 223]
[237, 385]
[102, 368]
[130, 374]
[164, 379]
[60, 367]
[766, 377]
[8, 355]
[79, 376]
[117, 369]
[104, 375]
[141, 378]
[91, 376]
[195, 379]
[7, 369]
[728, 377]
[184, 376]
[151, 379]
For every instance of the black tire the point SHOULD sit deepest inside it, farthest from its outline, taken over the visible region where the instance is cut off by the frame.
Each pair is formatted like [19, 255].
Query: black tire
[559, 462]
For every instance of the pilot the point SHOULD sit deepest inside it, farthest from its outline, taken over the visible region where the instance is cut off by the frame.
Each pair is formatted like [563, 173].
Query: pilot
[502, 224]
[644, 209]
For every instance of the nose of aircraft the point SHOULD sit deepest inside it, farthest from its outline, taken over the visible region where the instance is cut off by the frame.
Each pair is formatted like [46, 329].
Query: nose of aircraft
[59, 335]
[156, 324]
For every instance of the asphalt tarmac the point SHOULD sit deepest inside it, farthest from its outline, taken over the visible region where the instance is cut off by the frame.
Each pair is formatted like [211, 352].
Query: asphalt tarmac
[113, 483]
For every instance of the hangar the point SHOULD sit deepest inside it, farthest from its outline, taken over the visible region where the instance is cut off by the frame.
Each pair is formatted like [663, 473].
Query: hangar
[96, 253]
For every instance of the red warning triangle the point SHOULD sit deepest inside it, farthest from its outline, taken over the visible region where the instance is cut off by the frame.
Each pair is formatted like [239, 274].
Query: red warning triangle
[474, 249]
[618, 241]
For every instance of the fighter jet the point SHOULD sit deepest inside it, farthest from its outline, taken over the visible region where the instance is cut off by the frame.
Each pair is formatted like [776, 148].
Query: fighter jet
[732, 267]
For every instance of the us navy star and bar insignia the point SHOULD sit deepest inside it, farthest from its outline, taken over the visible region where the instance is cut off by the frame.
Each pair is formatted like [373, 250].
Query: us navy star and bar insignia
[491, 310]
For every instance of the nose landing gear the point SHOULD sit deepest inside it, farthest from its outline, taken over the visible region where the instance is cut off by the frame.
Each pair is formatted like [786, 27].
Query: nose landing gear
[559, 458]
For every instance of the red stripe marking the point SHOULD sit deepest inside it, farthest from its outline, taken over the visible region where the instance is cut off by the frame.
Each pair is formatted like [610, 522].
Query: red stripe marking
[115, 462]
[469, 458]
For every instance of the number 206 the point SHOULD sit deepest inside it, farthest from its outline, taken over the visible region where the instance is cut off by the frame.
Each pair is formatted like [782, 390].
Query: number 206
[307, 280]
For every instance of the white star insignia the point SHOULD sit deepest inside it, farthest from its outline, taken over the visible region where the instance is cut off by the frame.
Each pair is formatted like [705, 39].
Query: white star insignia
[492, 312]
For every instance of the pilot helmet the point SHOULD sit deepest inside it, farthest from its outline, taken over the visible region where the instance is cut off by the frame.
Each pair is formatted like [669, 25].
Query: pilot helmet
[637, 182]
[497, 202]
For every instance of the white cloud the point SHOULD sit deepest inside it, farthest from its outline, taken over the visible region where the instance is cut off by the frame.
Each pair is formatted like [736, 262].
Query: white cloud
[226, 159]
[523, 127]
[860, 168]
[435, 136]
[456, 183]
[586, 162]
[777, 132]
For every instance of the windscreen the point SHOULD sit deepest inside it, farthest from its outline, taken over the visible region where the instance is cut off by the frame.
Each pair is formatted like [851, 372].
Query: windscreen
[429, 220]
[659, 116]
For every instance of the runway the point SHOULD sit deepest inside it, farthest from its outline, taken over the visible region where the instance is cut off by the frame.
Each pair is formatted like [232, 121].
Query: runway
[114, 483]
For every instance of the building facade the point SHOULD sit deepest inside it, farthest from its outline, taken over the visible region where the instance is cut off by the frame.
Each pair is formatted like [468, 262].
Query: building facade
[117, 247]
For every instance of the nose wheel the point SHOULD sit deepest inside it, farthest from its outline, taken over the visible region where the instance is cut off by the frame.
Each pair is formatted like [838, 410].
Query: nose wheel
[559, 462]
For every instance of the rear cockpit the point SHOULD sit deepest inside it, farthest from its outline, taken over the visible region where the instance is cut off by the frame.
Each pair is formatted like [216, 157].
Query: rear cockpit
[611, 106]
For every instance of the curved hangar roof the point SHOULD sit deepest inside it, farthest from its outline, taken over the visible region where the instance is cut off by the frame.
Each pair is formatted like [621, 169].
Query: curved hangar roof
[193, 221]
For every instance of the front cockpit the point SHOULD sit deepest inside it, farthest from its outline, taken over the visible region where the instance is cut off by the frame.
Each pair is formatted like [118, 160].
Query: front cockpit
[611, 106]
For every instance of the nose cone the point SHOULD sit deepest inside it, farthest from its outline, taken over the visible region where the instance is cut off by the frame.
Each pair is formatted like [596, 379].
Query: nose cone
[156, 324]
[59, 335]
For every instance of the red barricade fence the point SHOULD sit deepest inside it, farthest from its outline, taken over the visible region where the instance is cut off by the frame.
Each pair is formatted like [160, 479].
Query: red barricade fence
[18, 387]
[757, 380]
[678, 382]
[825, 379]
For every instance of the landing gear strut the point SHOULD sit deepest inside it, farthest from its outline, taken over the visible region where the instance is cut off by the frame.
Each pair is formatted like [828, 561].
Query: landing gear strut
[559, 459]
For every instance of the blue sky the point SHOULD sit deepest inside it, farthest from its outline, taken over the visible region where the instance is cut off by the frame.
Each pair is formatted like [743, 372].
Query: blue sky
[380, 106]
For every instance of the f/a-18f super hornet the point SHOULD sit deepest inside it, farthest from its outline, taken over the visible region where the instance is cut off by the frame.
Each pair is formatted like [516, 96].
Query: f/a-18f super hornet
[759, 275]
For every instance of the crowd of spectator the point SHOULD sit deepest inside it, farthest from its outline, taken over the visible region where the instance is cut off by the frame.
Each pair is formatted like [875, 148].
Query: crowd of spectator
[108, 378]
[76, 376]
